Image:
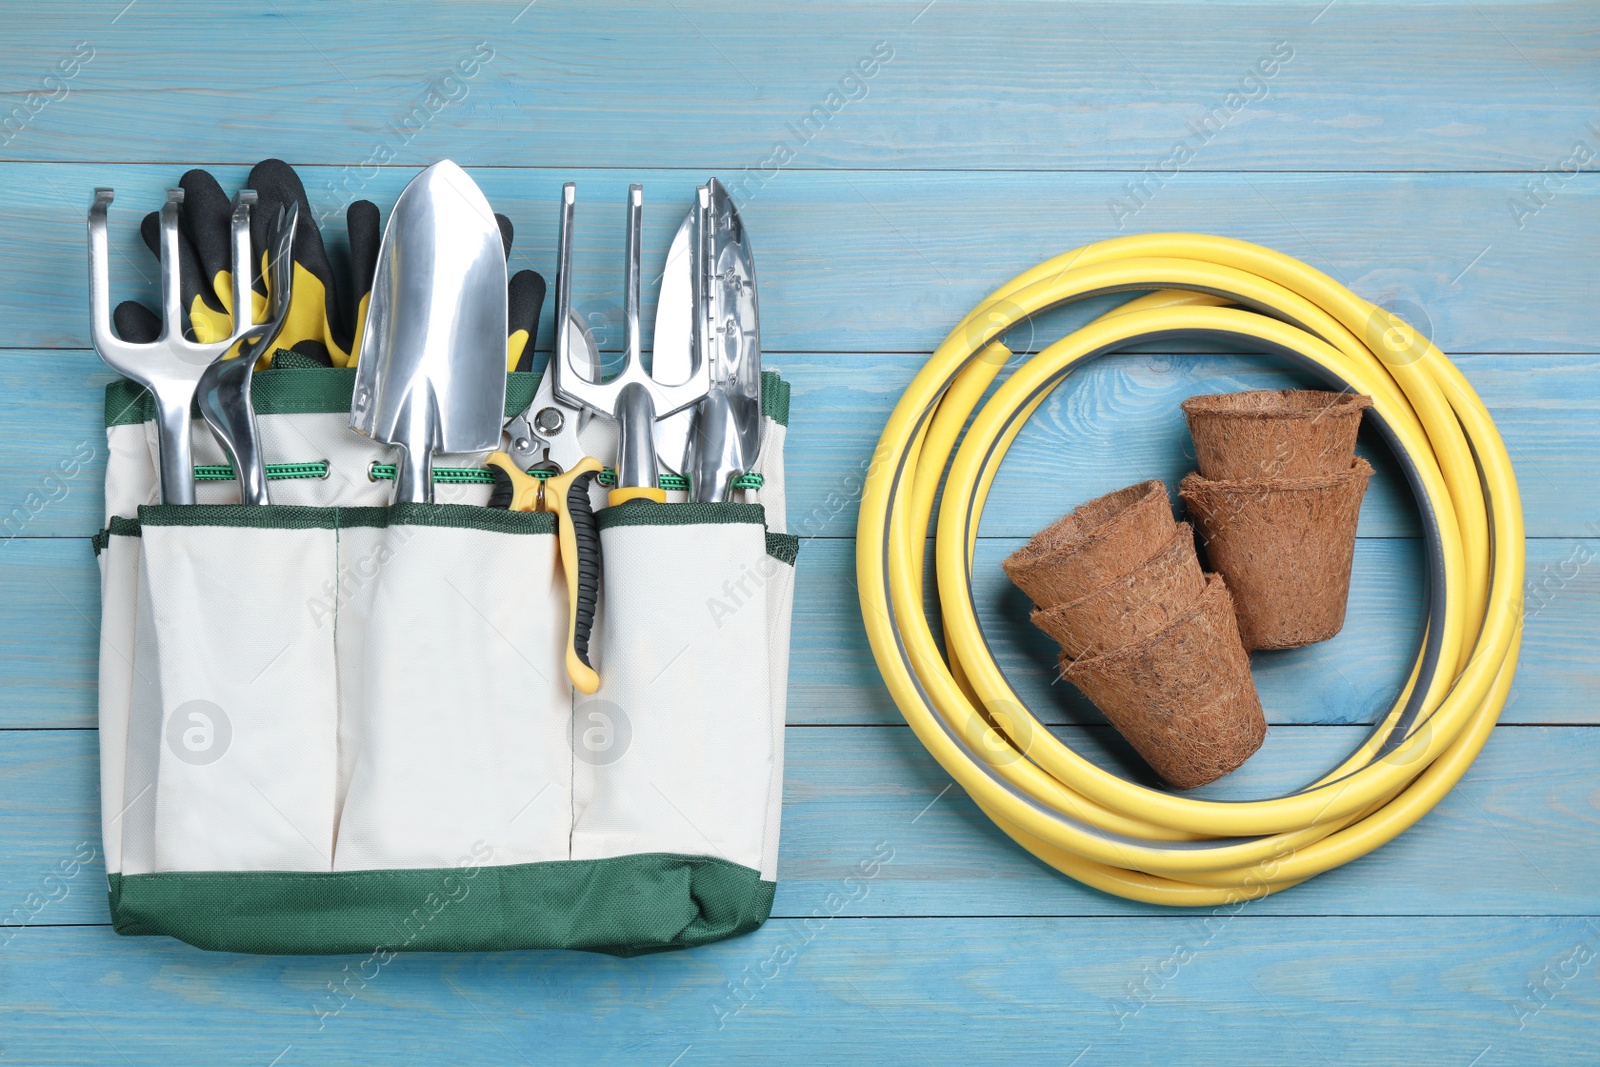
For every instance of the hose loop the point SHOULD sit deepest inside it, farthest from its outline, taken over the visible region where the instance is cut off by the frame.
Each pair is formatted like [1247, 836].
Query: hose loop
[1124, 838]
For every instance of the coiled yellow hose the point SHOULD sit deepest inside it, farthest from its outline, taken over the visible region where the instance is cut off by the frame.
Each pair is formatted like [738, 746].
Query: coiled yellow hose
[1115, 835]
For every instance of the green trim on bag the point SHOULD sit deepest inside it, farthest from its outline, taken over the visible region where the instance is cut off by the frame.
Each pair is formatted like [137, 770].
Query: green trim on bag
[649, 513]
[623, 906]
[326, 390]
[253, 516]
[450, 516]
[785, 548]
[288, 358]
[520, 387]
[774, 397]
[117, 527]
[782, 547]
[297, 517]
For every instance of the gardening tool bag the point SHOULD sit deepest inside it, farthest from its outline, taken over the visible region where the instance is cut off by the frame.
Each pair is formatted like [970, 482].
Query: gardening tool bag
[332, 725]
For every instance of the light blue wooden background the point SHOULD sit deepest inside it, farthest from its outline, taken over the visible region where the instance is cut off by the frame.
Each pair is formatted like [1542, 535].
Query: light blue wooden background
[1390, 151]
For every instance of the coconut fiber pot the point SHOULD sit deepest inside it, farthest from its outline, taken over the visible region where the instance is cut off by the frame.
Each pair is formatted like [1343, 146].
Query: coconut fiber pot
[1132, 606]
[1098, 541]
[1274, 433]
[1285, 547]
[1183, 696]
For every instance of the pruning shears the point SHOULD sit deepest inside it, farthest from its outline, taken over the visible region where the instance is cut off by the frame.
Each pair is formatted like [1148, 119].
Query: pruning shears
[578, 540]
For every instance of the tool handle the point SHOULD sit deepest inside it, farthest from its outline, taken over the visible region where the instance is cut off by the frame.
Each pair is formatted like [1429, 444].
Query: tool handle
[504, 488]
[524, 300]
[579, 536]
[521, 490]
[624, 493]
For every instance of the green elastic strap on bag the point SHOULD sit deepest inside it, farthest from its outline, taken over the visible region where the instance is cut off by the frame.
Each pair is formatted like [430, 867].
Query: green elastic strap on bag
[223, 472]
[381, 472]
[608, 477]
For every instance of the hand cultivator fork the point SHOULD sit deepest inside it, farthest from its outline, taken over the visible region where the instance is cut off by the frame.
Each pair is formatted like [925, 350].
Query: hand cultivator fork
[170, 367]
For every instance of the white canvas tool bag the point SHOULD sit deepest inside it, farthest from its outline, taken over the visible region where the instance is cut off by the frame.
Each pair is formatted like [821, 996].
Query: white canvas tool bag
[331, 725]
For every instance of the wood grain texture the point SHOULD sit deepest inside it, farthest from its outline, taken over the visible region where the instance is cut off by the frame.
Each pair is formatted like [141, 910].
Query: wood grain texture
[1349, 679]
[1251, 990]
[51, 618]
[1117, 421]
[854, 261]
[1391, 149]
[1515, 838]
[49, 607]
[1089, 86]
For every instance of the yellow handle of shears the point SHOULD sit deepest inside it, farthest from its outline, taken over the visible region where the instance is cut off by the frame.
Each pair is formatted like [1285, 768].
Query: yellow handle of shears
[554, 495]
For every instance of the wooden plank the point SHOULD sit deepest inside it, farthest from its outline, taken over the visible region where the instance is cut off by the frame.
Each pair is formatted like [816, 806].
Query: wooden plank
[1118, 421]
[1112, 424]
[52, 435]
[1268, 991]
[1473, 935]
[50, 824]
[1512, 839]
[49, 605]
[833, 670]
[50, 613]
[1350, 679]
[1025, 85]
[889, 262]
[1513, 834]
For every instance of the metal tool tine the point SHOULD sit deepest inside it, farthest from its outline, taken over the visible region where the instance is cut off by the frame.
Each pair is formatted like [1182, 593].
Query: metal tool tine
[224, 389]
[634, 253]
[171, 277]
[634, 407]
[100, 332]
[279, 268]
[169, 367]
[278, 273]
[559, 365]
[604, 397]
[243, 269]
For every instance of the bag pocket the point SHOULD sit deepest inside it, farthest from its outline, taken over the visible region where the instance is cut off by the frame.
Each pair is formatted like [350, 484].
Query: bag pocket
[455, 727]
[245, 687]
[117, 554]
[782, 550]
[675, 753]
[129, 703]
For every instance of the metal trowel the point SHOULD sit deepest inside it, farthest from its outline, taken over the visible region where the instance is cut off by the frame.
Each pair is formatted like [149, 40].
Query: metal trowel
[707, 313]
[431, 374]
[672, 355]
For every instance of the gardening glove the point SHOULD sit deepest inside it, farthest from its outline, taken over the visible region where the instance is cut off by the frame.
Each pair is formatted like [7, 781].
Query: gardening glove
[317, 325]
[524, 298]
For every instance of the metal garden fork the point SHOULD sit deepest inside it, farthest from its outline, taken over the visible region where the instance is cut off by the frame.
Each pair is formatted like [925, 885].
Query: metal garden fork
[633, 398]
[169, 367]
[224, 387]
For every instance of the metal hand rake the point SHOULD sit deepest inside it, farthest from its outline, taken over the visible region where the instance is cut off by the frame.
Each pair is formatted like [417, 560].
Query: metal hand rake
[170, 366]
[633, 398]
